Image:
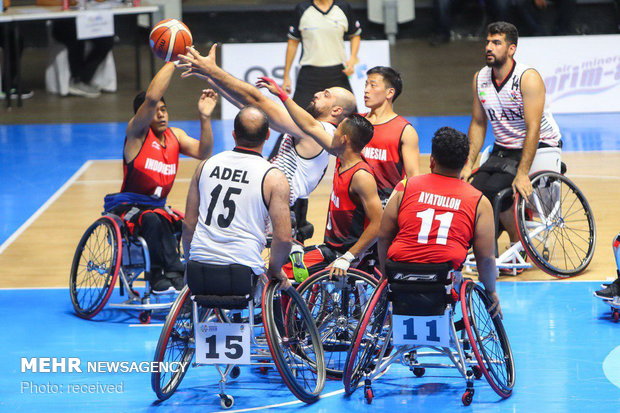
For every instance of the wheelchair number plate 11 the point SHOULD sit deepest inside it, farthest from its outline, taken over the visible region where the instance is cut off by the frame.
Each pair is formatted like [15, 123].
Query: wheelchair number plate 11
[223, 343]
[418, 330]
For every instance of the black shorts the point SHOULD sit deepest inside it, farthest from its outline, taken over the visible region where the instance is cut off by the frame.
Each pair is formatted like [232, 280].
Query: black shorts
[312, 79]
[498, 172]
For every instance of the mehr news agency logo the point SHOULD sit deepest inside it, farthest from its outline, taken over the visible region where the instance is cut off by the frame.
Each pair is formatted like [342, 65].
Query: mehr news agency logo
[75, 365]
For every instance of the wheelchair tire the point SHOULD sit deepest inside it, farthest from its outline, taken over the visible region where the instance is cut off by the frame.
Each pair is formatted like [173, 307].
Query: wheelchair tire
[488, 339]
[337, 307]
[95, 267]
[564, 246]
[174, 346]
[367, 340]
[294, 342]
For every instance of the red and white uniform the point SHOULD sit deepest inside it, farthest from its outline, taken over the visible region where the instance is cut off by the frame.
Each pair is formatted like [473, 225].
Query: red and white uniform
[383, 154]
[153, 170]
[436, 220]
[503, 105]
[346, 219]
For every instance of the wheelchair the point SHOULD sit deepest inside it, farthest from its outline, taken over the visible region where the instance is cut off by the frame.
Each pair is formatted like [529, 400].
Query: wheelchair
[220, 328]
[417, 307]
[555, 226]
[336, 305]
[107, 253]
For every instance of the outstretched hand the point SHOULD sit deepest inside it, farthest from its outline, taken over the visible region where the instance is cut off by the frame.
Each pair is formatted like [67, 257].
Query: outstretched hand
[268, 83]
[197, 65]
[207, 102]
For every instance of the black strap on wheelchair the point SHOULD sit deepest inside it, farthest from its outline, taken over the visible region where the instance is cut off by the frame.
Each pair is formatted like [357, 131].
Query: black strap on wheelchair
[418, 289]
[221, 286]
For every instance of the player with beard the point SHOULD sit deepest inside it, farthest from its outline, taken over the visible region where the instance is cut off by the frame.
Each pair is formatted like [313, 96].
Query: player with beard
[511, 96]
[302, 160]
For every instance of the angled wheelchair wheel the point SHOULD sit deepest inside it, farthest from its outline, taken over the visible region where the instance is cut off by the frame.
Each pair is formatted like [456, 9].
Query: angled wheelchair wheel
[95, 267]
[336, 306]
[556, 225]
[294, 342]
[176, 344]
[488, 339]
[371, 336]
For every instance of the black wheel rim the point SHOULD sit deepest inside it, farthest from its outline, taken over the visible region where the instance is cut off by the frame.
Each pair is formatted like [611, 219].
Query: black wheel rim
[565, 246]
[93, 268]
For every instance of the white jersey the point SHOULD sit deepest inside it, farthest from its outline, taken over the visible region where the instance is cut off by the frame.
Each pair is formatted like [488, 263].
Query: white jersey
[503, 106]
[303, 174]
[232, 211]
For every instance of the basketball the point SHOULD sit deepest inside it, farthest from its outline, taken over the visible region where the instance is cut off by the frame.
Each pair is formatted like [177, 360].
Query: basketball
[169, 38]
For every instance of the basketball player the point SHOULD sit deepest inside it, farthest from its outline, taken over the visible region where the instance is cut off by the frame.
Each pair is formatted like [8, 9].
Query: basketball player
[231, 197]
[511, 96]
[302, 160]
[150, 163]
[354, 208]
[393, 151]
[434, 218]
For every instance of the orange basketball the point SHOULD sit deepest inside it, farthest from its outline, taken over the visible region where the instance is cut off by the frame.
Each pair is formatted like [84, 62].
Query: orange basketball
[169, 38]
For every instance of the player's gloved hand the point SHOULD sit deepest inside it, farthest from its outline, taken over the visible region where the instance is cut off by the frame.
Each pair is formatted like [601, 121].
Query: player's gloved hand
[340, 266]
[268, 83]
[300, 271]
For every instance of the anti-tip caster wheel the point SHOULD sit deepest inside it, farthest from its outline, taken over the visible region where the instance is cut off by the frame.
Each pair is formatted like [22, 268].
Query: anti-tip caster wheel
[615, 315]
[419, 371]
[226, 401]
[369, 394]
[468, 397]
[145, 317]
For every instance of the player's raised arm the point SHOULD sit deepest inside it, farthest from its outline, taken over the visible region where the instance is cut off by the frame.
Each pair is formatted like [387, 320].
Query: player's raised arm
[237, 90]
[308, 124]
[139, 125]
[191, 147]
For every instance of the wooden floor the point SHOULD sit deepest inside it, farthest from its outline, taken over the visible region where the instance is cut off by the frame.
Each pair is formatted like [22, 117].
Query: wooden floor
[41, 255]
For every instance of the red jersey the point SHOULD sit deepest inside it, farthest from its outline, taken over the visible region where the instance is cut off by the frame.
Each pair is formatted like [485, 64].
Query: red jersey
[383, 154]
[153, 170]
[346, 218]
[436, 220]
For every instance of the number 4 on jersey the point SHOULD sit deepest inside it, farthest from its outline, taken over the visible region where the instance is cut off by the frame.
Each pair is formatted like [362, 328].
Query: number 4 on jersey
[428, 216]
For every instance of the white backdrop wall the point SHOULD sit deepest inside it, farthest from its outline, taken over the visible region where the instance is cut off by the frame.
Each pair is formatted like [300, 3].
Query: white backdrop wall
[248, 61]
[581, 73]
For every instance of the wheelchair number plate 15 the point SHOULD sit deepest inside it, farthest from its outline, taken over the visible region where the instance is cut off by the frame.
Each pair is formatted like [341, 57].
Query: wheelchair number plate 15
[223, 343]
[417, 330]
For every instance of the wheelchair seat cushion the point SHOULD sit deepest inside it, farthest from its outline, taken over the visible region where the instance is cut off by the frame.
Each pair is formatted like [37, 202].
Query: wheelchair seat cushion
[220, 280]
[231, 302]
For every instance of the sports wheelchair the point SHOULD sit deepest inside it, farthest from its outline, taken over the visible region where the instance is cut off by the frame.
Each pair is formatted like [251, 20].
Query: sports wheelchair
[336, 305]
[108, 252]
[555, 226]
[221, 327]
[417, 307]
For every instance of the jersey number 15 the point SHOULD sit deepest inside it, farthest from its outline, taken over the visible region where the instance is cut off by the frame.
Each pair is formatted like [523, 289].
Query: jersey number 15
[223, 221]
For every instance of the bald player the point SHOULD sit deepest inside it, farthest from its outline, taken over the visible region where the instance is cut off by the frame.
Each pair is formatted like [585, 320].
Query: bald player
[302, 160]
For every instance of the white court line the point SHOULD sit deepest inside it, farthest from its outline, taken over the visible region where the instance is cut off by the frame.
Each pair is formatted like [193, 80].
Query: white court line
[593, 176]
[43, 207]
[334, 393]
[146, 325]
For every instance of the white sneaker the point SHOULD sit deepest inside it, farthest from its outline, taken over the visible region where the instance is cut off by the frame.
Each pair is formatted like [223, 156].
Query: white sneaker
[82, 89]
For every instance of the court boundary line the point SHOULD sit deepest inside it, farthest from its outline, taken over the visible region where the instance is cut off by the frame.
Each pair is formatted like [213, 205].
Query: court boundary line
[45, 205]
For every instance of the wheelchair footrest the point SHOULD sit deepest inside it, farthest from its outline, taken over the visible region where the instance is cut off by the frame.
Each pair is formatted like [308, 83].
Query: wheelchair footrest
[230, 302]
